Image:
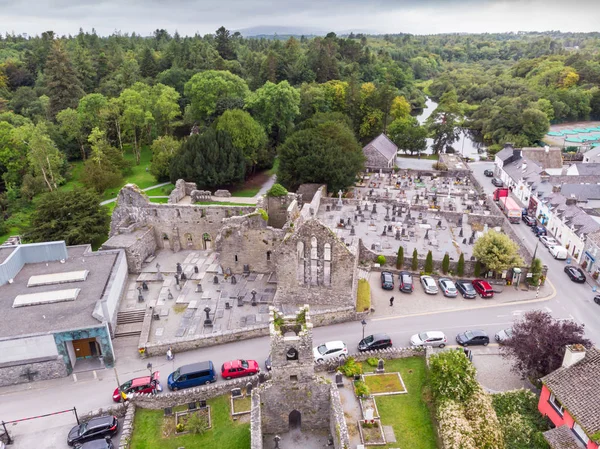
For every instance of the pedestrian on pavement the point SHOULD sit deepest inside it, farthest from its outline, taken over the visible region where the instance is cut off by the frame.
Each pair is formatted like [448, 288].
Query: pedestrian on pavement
[169, 354]
[391, 301]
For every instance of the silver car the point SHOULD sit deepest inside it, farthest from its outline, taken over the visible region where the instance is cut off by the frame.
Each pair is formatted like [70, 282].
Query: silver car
[503, 335]
[429, 285]
[430, 338]
[448, 288]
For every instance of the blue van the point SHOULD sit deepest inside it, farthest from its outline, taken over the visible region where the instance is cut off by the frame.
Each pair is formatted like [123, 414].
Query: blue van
[187, 376]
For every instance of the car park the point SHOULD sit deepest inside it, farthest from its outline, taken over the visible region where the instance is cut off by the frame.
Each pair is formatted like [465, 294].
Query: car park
[548, 241]
[239, 368]
[406, 282]
[431, 338]
[539, 230]
[529, 221]
[503, 335]
[473, 337]
[575, 274]
[466, 289]
[484, 288]
[193, 375]
[429, 285]
[497, 182]
[375, 341]
[448, 288]
[146, 384]
[95, 428]
[387, 280]
[330, 350]
[105, 443]
[488, 173]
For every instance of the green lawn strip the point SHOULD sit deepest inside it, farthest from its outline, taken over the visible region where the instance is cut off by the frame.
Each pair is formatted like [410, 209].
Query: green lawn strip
[242, 404]
[159, 200]
[246, 193]
[273, 170]
[222, 203]
[363, 296]
[160, 191]
[137, 175]
[432, 157]
[408, 413]
[75, 175]
[225, 432]
[384, 383]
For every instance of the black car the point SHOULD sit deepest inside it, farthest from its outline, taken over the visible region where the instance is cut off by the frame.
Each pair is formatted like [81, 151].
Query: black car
[94, 429]
[497, 182]
[575, 274]
[373, 342]
[105, 443]
[406, 282]
[387, 280]
[470, 338]
[529, 221]
[489, 173]
[466, 289]
[597, 299]
[539, 231]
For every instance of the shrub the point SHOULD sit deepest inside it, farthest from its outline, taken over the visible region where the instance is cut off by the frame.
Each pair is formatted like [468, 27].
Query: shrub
[440, 166]
[351, 367]
[277, 190]
[380, 260]
[361, 389]
[460, 267]
[263, 214]
[363, 296]
[400, 258]
[452, 376]
[446, 263]
[373, 361]
[197, 424]
[477, 269]
[536, 270]
[429, 263]
[415, 260]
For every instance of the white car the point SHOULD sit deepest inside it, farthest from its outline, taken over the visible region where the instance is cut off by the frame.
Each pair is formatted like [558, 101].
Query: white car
[548, 241]
[430, 338]
[330, 350]
[429, 286]
[448, 288]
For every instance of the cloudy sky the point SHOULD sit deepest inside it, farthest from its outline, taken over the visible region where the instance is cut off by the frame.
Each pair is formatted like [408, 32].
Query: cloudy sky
[383, 16]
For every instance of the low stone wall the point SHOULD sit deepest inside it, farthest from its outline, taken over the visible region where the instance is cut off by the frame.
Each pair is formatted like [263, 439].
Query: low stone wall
[337, 421]
[127, 427]
[16, 372]
[386, 354]
[256, 441]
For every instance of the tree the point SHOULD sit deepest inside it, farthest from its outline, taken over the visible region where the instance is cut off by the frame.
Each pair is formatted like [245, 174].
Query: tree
[400, 108]
[415, 260]
[224, 43]
[13, 155]
[408, 135]
[452, 376]
[428, 263]
[148, 66]
[164, 108]
[210, 160]
[104, 167]
[206, 88]
[538, 341]
[460, 267]
[327, 153]
[62, 85]
[497, 252]
[277, 190]
[136, 116]
[446, 263]
[400, 258]
[247, 135]
[74, 216]
[536, 271]
[164, 150]
[444, 122]
[70, 124]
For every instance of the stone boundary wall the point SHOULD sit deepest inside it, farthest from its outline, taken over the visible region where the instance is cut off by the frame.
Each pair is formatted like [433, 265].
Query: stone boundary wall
[256, 441]
[41, 370]
[337, 421]
[386, 354]
[181, 190]
[309, 210]
[319, 318]
[127, 427]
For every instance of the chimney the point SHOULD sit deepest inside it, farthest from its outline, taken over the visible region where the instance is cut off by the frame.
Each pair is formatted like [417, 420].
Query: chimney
[516, 154]
[556, 189]
[571, 201]
[573, 354]
[547, 149]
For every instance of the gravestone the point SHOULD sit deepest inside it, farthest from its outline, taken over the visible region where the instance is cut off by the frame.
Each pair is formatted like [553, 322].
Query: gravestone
[374, 210]
[383, 233]
[352, 231]
[369, 413]
[253, 301]
[177, 278]
[168, 411]
[198, 287]
[192, 406]
[240, 301]
[228, 271]
[471, 240]
[339, 379]
[236, 393]
[246, 270]
[366, 207]
[140, 298]
[460, 234]
[170, 295]
[144, 285]
[248, 388]
[328, 208]
[216, 279]
[233, 280]
[202, 403]
[196, 269]
[380, 368]
[397, 234]
[183, 277]
[179, 269]
[464, 241]
[139, 289]
[227, 306]
[427, 234]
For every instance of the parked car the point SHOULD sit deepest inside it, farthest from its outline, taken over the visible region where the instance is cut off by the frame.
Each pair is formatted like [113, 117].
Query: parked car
[448, 288]
[330, 350]
[105, 443]
[548, 241]
[575, 273]
[489, 173]
[539, 230]
[529, 221]
[597, 299]
[387, 280]
[503, 335]
[375, 341]
[484, 288]
[147, 384]
[406, 282]
[466, 289]
[497, 182]
[94, 429]
[430, 338]
[429, 285]
[559, 252]
[192, 375]
[473, 337]
[239, 368]
[268, 365]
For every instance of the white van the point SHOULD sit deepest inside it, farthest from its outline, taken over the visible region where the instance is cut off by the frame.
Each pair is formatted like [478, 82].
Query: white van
[559, 252]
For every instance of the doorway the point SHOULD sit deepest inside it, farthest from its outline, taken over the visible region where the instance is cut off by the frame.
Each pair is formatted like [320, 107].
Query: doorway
[86, 348]
[207, 241]
[295, 420]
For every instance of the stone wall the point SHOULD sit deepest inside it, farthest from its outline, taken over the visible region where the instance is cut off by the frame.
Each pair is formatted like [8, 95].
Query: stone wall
[375, 160]
[256, 437]
[304, 273]
[14, 373]
[386, 354]
[337, 420]
[310, 209]
[181, 190]
[277, 208]
[308, 191]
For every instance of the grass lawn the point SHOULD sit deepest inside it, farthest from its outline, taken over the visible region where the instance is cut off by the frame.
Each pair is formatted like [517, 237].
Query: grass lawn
[225, 432]
[159, 200]
[222, 203]
[431, 157]
[242, 404]
[160, 191]
[408, 413]
[246, 193]
[138, 174]
[273, 170]
[384, 383]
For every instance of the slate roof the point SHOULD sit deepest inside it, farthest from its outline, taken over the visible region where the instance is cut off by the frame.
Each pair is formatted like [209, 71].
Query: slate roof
[531, 174]
[577, 387]
[594, 237]
[384, 145]
[572, 215]
[562, 438]
[546, 159]
[583, 192]
[588, 169]
[505, 153]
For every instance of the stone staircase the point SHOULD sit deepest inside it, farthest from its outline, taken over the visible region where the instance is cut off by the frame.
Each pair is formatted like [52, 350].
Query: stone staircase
[129, 323]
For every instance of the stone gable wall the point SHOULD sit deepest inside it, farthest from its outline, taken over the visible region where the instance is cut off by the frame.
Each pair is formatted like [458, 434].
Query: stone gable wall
[375, 159]
[277, 209]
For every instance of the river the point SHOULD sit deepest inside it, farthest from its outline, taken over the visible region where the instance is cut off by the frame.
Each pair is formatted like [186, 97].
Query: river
[465, 145]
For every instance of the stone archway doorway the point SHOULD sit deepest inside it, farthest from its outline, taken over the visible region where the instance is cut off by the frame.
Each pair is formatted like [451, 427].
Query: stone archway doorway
[207, 241]
[295, 420]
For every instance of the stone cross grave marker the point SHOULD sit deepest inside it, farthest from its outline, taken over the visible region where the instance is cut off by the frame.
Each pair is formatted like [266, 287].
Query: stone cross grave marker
[253, 293]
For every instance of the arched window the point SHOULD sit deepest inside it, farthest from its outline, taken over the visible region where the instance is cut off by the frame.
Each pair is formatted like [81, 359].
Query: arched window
[314, 262]
[300, 261]
[327, 264]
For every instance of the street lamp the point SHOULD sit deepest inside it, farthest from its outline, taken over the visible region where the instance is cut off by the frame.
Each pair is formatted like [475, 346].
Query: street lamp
[364, 323]
[149, 366]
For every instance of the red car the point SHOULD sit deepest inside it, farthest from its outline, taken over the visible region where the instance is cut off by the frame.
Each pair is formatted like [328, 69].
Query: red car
[148, 384]
[239, 368]
[483, 288]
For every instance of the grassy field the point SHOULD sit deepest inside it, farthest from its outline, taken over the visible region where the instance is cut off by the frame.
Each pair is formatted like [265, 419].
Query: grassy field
[225, 432]
[408, 413]
[384, 383]
[160, 191]
[159, 200]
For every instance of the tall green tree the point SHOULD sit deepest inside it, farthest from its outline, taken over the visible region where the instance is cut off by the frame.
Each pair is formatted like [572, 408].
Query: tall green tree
[415, 260]
[165, 108]
[429, 263]
[497, 252]
[148, 65]
[71, 124]
[224, 43]
[105, 165]
[62, 84]
[460, 266]
[408, 135]
[400, 258]
[164, 149]
[74, 216]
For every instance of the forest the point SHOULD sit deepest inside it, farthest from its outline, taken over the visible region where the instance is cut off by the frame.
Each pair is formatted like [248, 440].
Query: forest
[80, 114]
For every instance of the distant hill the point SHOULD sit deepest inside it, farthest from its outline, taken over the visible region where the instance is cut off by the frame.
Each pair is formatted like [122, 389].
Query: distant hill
[280, 31]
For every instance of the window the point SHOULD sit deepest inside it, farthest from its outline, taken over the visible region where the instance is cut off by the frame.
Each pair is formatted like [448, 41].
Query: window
[578, 431]
[236, 259]
[268, 255]
[556, 404]
[294, 378]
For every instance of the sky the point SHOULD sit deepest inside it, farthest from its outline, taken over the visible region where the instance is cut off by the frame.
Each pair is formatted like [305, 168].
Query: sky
[189, 17]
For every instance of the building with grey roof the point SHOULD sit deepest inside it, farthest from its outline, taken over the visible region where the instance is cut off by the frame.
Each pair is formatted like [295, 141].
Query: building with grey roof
[58, 305]
[380, 153]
